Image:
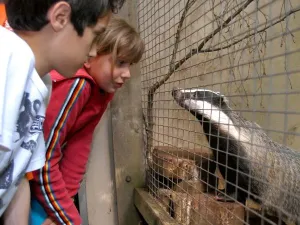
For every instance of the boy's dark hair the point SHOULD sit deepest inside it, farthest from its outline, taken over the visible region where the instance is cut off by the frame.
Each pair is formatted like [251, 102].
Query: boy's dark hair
[31, 15]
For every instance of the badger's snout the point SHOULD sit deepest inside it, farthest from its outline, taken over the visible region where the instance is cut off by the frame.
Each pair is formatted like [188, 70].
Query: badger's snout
[178, 95]
[176, 92]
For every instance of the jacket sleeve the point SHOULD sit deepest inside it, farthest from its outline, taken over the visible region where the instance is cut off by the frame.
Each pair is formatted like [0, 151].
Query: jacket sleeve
[48, 185]
[78, 146]
[76, 152]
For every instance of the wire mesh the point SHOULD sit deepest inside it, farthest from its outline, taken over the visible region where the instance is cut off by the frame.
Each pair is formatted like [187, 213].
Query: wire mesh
[220, 95]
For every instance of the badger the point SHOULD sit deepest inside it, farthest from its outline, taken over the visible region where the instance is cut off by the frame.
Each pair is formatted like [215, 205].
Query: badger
[252, 164]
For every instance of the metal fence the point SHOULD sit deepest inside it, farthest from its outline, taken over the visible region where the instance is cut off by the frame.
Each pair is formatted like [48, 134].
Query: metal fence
[221, 85]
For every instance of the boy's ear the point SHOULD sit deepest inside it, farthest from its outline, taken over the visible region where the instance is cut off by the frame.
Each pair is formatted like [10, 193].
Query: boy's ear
[59, 15]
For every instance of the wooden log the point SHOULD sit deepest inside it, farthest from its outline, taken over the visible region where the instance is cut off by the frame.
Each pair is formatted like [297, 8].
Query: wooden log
[177, 204]
[150, 210]
[196, 154]
[194, 207]
[179, 163]
[170, 166]
[206, 210]
[203, 209]
[190, 186]
[187, 209]
[182, 205]
[164, 199]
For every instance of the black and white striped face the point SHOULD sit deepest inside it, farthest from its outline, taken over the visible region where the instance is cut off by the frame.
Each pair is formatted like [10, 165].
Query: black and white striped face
[209, 104]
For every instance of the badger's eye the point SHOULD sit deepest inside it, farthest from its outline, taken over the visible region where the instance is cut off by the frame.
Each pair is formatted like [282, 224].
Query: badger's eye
[222, 98]
[194, 95]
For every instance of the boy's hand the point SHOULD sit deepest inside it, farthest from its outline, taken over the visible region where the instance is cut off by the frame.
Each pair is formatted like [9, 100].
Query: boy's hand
[17, 212]
[48, 221]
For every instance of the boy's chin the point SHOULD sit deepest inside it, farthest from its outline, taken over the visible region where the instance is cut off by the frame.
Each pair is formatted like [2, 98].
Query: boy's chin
[68, 73]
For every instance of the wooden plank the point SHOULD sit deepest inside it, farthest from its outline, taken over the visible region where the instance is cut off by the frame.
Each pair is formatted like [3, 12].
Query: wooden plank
[190, 186]
[169, 165]
[197, 154]
[200, 209]
[182, 164]
[152, 212]
[188, 209]
[206, 210]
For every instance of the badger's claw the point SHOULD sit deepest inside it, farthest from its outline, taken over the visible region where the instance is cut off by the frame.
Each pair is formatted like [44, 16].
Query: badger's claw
[221, 197]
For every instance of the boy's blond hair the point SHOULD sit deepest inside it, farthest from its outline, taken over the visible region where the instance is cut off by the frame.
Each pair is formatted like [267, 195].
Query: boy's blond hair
[122, 40]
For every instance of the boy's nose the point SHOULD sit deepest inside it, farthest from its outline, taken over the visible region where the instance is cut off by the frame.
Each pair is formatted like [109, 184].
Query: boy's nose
[93, 51]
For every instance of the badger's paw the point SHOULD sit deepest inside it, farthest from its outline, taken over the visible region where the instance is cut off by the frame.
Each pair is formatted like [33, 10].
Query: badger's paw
[222, 197]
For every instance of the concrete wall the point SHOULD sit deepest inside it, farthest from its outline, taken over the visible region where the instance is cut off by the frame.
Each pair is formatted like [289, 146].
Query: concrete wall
[100, 183]
[116, 164]
[254, 74]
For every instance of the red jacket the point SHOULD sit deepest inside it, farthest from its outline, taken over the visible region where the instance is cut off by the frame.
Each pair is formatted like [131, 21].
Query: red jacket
[75, 108]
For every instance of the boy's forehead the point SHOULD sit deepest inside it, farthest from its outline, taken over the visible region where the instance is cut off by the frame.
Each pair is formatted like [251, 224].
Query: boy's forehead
[102, 23]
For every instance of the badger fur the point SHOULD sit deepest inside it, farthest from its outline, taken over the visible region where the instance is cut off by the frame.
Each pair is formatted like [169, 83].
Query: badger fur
[252, 164]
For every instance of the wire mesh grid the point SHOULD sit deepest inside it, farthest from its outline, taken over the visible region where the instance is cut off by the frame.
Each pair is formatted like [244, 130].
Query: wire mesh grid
[220, 91]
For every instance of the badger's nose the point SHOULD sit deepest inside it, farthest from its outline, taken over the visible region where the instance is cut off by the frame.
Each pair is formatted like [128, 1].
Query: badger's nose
[174, 91]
